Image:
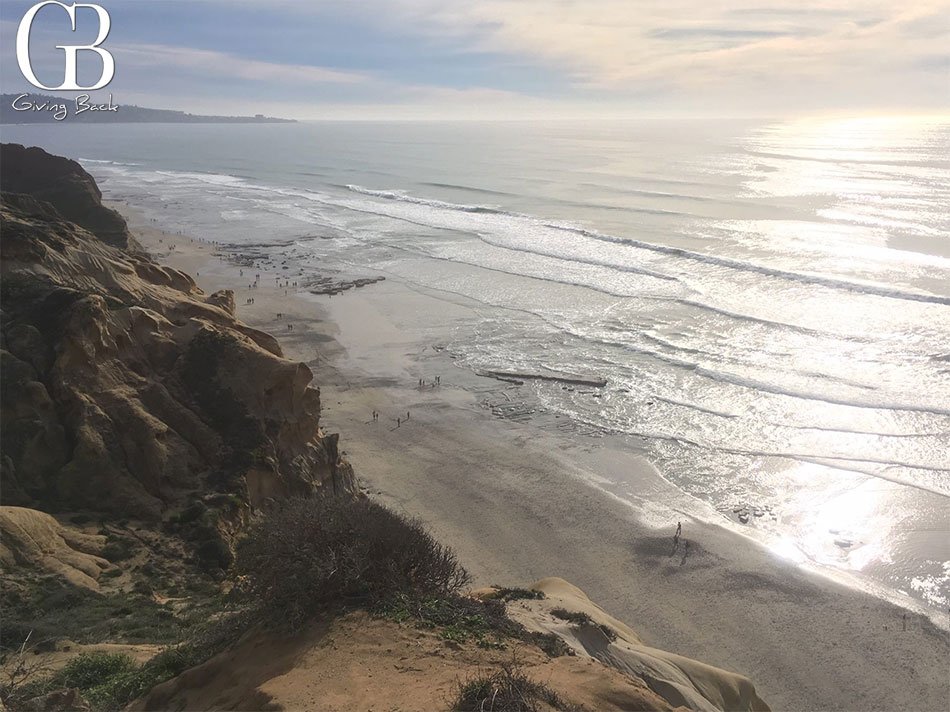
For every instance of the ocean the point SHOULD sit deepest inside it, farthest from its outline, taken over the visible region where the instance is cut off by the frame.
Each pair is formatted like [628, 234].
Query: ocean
[768, 302]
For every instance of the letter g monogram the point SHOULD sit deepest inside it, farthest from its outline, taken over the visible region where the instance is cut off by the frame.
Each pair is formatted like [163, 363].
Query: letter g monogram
[70, 80]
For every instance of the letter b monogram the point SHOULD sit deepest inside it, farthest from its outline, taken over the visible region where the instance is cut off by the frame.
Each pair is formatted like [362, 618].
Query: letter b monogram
[70, 80]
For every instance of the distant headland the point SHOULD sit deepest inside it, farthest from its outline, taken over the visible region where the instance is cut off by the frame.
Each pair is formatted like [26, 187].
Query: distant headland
[27, 108]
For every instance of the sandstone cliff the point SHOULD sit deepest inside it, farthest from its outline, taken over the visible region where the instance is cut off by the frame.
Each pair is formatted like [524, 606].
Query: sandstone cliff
[126, 390]
[64, 184]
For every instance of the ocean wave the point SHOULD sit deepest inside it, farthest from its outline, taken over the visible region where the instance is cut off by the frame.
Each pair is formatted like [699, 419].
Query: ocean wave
[838, 160]
[745, 266]
[218, 179]
[870, 288]
[754, 384]
[738, 316]
[696, 407]
[680, 252]
[875, 467]
[471, 189]
[106, 163]
[660, 194]
[406, 198]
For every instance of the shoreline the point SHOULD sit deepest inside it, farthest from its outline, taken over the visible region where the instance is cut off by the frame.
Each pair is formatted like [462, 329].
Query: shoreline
[517, 503]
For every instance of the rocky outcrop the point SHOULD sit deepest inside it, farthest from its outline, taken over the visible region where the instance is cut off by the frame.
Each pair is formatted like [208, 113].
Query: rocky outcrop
[591, 632]
[125, 389]
[33, 539]
[67, 187]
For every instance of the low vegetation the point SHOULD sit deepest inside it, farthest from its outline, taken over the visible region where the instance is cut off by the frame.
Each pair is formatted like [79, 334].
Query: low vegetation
[309, 555]
[579, 618]
[110, 681]
[306, 558]
[107, 681]
[516, 594]
[507, 690]
[47, 610]
[458, 619]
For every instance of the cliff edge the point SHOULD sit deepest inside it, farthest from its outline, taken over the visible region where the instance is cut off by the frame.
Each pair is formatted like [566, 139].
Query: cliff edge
[127, 391]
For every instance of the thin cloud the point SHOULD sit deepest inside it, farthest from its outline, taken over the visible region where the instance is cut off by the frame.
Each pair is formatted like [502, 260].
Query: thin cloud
[223, 64]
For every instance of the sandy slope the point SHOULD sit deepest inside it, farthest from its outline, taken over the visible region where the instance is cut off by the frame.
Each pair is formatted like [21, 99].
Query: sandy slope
[360, 663]
[515, 501]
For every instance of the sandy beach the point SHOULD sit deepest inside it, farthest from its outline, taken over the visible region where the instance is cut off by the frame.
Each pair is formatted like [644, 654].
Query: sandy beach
[518, 500]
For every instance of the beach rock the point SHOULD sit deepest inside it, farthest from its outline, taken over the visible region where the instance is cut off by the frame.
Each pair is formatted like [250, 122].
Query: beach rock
[325, 285]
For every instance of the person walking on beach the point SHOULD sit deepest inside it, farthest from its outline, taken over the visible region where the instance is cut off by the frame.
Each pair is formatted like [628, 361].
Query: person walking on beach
[398, 422]
[679, 529]
[407, 415]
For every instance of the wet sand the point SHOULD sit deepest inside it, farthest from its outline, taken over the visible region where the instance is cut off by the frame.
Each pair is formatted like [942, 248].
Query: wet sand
[519, 500]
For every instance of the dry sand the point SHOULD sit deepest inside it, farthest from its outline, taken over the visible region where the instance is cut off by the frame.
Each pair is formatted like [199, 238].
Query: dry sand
[358, 662]
[517, 503]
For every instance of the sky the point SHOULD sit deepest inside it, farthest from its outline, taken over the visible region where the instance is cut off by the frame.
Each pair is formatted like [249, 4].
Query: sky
[505, 59]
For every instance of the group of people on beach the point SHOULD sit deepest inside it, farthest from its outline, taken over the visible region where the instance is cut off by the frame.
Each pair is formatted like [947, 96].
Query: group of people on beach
[422, 383]
[399, 420]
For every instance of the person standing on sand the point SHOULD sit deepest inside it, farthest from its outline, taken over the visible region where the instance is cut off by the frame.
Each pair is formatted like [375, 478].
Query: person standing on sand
[679, 529]
[398, 422]
[407, 415]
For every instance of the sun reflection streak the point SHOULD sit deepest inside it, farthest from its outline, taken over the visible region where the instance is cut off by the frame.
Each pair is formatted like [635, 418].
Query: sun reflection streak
[846, 525]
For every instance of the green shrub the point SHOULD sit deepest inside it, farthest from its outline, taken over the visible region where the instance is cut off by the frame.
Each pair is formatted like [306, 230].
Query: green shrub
[517, 594]
[117, 549]
[506, 690]
[551, 644]
[214, 554]
[312, 553]
[460, 618]
[457, 618]
[87, 670]
[575, 617]
[192, 512]
[579, 618]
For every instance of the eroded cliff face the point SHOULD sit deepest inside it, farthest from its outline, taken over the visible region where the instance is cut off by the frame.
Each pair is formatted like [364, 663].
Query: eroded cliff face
[126, 389]
[64, 184]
